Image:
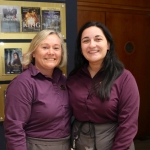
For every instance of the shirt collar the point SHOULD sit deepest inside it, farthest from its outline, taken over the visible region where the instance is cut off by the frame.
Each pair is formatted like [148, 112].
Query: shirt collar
[84, 68]
[34, 72]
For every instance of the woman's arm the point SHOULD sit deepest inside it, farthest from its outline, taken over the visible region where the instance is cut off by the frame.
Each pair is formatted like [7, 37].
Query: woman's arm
[128, 110]
[17, 113]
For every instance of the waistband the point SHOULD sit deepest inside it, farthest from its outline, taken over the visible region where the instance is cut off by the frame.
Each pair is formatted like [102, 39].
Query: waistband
[103, 126]
[48, 141]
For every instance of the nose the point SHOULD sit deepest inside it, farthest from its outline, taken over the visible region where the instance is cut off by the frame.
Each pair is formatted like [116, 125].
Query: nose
[50, 51]
[92, 43]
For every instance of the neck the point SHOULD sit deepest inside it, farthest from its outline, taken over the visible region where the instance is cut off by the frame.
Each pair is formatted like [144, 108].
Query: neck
[49, 75]
[46, 72]
[93, 69]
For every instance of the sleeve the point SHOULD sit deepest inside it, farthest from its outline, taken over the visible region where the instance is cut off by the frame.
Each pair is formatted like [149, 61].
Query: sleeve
[128, 110]
[17, 113]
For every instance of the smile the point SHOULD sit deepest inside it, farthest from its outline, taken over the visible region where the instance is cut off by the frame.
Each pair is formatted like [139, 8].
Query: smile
[93, 51]
[50, 59]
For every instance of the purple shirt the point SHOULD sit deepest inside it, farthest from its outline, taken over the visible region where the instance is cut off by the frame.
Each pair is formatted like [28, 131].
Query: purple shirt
[36, 106]
[122, 107]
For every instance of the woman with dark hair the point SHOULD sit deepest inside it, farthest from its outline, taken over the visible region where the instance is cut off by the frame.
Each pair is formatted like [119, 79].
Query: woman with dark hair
[16, 59]
[16, 64]
[103, 95]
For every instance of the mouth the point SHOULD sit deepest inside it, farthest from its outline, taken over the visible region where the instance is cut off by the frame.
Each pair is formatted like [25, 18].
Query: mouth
[50, 59]
[93, 51]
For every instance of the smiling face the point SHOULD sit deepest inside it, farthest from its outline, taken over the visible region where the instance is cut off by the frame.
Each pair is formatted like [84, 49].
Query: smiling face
[48, 54]
[94, 45]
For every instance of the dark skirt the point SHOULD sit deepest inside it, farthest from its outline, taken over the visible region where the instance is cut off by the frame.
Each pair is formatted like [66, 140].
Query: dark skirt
[48, 144]
[91, 136]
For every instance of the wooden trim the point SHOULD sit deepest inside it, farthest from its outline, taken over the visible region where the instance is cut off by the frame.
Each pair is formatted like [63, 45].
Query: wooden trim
[110, 7]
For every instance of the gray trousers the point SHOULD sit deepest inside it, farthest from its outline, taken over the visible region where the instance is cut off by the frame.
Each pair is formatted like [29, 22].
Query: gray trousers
[102, 139]
[48, 144]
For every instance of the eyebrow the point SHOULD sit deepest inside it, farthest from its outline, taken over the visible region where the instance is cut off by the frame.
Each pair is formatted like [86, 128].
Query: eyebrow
[86, 37]
[48, 44]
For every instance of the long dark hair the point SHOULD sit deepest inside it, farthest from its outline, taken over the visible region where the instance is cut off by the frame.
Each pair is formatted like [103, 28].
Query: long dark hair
[111, 67]
[18, 58]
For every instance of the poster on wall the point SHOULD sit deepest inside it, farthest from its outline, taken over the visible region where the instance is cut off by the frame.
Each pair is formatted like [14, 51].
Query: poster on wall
[10, 58]
[31, 21]
[51, 20]
[10, 18]
[24, 19]
[13, 57]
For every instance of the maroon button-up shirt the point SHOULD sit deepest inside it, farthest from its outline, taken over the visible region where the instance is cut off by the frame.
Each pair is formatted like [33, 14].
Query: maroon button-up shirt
[36, 106]
[122, 107]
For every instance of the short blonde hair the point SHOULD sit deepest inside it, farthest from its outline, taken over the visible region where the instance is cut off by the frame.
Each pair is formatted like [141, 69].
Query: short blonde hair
[39, 37]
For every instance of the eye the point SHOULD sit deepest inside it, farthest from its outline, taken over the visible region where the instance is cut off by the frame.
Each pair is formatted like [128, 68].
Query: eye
[45, 47]
[56, 48]
[98, 39]
[85, 41]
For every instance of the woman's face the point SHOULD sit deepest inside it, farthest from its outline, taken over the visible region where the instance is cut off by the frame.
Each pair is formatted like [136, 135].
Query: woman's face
[94, 44]
[15, 56]
[48, 54]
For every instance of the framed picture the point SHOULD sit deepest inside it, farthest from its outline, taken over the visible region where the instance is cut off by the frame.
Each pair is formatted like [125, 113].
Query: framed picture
[25, 21]
[2, 100]
[10, 18]
[10, 59]
[51, 19]
[31, 19]
[54, 17]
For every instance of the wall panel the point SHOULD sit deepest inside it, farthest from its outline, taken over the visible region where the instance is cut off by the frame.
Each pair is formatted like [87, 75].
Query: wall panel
[139, 3]
[134, 29]
[85, 15]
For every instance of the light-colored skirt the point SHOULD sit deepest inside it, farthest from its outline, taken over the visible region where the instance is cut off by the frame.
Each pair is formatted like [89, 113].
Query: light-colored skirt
[91, 136]
[48, 144]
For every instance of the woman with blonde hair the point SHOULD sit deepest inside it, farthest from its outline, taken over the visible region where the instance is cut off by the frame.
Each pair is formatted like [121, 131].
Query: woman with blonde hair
[37, 114]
